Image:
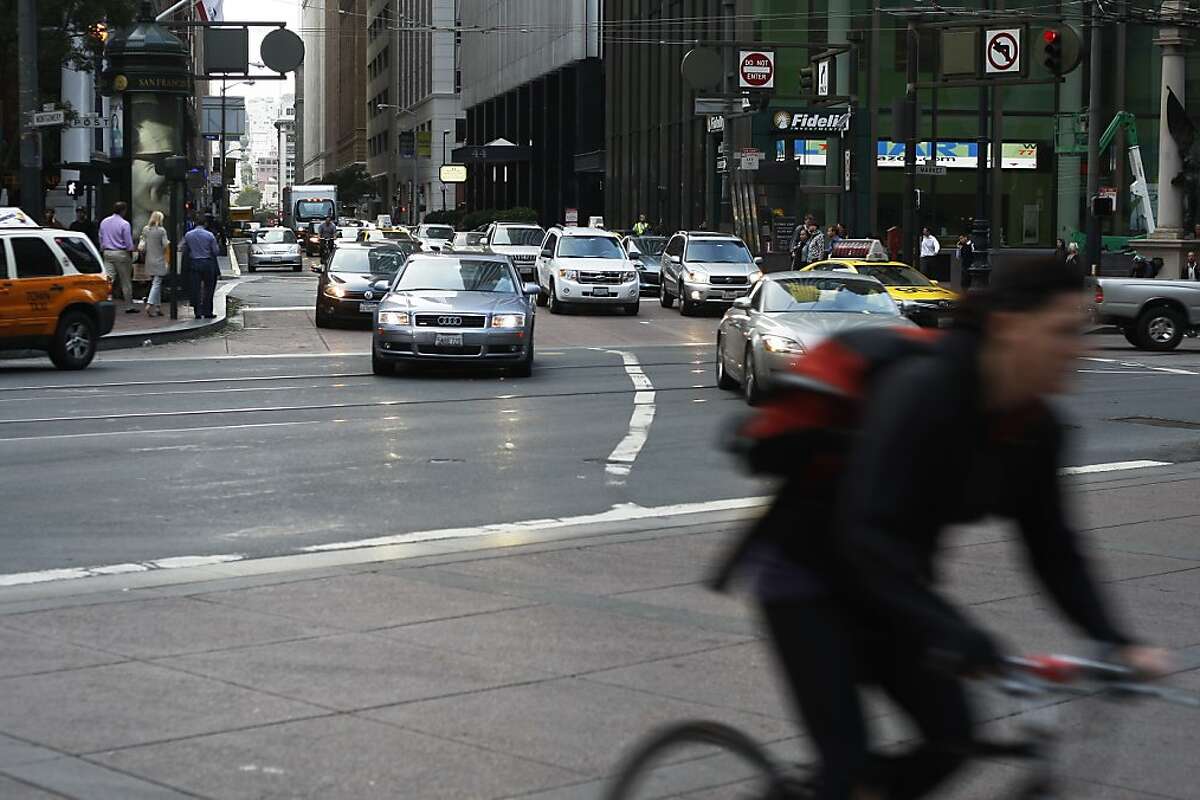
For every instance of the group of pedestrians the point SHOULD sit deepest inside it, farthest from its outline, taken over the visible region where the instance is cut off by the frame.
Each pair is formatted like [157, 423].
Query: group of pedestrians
[115, 238]
[809, 243]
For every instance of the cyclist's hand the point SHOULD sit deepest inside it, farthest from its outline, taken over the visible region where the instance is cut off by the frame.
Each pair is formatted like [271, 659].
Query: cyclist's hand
[1149, 662]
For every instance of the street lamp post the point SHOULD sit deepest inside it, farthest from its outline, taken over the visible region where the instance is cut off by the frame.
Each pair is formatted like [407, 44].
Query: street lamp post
[445, 133]
[411, 188]
[223, 199]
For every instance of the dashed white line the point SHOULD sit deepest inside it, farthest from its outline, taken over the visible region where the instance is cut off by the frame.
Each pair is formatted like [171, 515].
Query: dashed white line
[623, 456]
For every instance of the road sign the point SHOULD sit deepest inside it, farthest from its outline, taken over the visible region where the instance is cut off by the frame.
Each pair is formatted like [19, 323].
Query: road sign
[823, 78]
[929, 169]
[92, 120]
[453, 173]
[1002, 51]
[756, 69]
[571, 217]
[720, 106]
[46, 119]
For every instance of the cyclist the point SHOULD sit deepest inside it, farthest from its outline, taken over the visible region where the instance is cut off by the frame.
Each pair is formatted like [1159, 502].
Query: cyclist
[328, 232]
[846, 584]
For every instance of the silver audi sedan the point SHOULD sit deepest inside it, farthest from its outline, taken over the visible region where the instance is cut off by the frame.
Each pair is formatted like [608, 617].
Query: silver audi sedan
[789, 313]
[462, 308]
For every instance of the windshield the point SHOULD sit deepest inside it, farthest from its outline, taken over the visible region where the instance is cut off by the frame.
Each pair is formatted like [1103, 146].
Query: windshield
[590, 247]
[457, 275]
[718, 251]
[314, 209]
[827, 294]
[368, 260]
[276, 236]
[649, 245]
[527, 237]
[438, 232]
[895, 276]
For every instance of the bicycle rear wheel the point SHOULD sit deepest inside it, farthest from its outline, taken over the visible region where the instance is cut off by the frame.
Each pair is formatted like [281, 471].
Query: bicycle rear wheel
[694, 755]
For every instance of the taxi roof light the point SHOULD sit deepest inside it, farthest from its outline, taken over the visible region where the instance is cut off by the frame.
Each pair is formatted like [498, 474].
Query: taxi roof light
[11, 217]
[862, 249]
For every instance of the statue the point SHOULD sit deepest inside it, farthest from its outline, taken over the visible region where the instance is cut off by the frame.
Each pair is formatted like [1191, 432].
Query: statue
[1183, 131]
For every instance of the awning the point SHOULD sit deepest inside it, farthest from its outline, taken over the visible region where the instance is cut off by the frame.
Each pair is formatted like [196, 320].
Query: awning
[499, 151]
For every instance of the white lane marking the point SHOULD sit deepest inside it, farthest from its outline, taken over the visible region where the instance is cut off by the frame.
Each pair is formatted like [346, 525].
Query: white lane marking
[75, 573]
[1115, 466]
[1139, 365]
[621, 459]
[140, 433]
[1173, 371]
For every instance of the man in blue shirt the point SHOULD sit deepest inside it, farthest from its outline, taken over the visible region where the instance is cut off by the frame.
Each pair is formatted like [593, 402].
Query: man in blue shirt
[202, 249]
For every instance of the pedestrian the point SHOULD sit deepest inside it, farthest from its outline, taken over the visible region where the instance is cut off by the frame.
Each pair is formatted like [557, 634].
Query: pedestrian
[1060, 250]
[83, 224]
[1191, 270]
[815, 249]
[1073, 255]
[50, 219]
[153, 246]
[641, 226]
[201, 246]
[799, 245]
[930, 247]
[703, 225]
[831, 240]
[966, 257]
[116, 245]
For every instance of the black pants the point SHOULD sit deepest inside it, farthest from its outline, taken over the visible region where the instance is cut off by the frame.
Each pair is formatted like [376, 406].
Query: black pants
[827, 654]
[203, 275]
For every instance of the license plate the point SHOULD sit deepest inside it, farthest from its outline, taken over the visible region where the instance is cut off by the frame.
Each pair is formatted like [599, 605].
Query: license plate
[368, 307]
[600, 291]
[732, 295]
[448, 339]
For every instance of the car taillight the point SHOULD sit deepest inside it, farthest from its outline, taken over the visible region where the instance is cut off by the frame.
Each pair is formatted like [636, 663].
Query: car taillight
[1099, 294]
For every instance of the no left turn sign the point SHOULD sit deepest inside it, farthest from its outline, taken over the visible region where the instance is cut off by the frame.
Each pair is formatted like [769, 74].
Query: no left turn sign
[1002, 51]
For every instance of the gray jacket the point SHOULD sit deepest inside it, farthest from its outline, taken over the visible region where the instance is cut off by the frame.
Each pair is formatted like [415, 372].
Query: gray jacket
[155, 257]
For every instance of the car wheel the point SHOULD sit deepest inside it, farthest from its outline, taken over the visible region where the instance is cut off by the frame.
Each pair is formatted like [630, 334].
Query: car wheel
[322, 319]
[525, 368]
[664, 297]
[556, 306]
[686, 309]
[75, 341]
[724, 381]
[632, 309]
[380, 366]
[750, 387]
[542, 297]
[252, 268]
[1159, 328]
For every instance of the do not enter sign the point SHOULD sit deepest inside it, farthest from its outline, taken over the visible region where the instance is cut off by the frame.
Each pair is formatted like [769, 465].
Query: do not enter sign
[757, 69]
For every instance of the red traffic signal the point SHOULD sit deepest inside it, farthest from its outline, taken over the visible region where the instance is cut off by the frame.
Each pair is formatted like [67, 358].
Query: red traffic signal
[1050, 35]
[1062, 49]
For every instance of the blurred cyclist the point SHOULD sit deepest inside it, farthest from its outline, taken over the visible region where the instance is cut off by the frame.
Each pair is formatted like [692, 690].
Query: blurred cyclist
[328, 232]
[956, 431]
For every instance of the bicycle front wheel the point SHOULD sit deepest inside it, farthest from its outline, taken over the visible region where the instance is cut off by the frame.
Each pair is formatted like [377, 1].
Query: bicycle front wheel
[695, 755]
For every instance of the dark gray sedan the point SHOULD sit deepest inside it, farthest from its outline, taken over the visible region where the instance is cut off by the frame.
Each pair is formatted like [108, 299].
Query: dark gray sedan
[646, 254]
[459, 308]
[789, 313]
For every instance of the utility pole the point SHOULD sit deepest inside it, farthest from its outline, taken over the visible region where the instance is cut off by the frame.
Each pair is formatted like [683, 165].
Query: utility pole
[1095, 122]
[728, 57]
[31, 138]
[981, 226]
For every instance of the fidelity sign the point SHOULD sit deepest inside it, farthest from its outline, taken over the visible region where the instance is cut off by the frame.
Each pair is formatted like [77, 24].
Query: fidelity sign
[812, 121]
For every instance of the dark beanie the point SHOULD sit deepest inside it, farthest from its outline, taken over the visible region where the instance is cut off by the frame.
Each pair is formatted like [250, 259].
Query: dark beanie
[1025, 283]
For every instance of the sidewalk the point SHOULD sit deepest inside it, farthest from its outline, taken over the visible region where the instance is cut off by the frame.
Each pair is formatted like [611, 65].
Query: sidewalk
[135, 330]
[503, 666]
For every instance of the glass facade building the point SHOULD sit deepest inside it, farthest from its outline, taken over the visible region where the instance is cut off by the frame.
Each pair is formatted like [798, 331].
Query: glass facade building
[664, 161]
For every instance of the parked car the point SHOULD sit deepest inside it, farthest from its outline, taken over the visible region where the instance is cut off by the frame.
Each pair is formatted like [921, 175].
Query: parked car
[469, 242]
[459, 308]
[356, 279]
[521, 241]
[703, 268]
[1152, 314]
[53, 293]
[275, 247]
[787, 314]
[585, 266]
[646, 254]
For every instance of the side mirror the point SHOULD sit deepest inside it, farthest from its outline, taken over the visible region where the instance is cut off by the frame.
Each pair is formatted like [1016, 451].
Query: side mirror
[758, 260]
[935, 283]
[635, 257]
[547, 254]
[742, 303]
[673, 259]
[531, 289]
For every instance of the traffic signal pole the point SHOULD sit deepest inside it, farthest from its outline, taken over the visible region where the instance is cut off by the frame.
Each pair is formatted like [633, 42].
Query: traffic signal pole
[31, 139]
[1095, 67]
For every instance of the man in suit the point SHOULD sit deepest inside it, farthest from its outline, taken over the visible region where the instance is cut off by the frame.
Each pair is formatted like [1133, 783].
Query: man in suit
[1191, 270]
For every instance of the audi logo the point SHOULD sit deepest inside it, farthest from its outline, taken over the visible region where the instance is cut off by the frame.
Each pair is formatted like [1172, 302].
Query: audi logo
[452, 322]
[368, 295]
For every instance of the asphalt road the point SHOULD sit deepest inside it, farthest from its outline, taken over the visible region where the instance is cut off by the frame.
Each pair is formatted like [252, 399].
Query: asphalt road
[274, 436]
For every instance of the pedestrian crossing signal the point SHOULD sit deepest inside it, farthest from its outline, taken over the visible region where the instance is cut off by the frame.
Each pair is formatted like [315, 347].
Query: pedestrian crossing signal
[73, 188]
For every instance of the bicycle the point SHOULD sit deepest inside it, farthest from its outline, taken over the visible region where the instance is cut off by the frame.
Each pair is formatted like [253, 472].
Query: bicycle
[1030, 678]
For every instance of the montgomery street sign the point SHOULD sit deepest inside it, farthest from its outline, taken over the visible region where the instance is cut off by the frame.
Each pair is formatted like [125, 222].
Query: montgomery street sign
[46, 119]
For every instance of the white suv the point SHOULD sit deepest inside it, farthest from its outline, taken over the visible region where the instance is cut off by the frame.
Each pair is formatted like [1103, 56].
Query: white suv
[520, 241]
[580, 266]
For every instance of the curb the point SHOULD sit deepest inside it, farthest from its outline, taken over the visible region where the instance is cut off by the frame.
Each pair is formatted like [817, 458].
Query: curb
[182, 330]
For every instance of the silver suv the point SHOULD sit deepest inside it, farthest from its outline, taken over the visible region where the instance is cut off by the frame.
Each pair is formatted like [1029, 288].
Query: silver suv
[520, 241]
[701, 268]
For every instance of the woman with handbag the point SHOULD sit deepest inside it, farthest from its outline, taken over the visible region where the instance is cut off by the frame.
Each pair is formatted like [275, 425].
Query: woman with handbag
[153, 248]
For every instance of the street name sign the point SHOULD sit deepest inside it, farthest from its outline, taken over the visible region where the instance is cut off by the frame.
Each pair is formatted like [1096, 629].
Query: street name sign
[46, 119]
[929, 169]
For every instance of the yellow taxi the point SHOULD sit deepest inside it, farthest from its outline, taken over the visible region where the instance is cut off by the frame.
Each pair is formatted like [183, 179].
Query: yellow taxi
[54, 296]
[920, 299]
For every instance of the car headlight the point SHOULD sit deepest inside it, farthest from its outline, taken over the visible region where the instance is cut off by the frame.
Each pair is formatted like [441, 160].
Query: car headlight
[696, 276]
[258, 251]
[508, 321]
[569, 274]
[626, 277]
[393, 318]
[781, 344]
[335, 290]
[755, 276]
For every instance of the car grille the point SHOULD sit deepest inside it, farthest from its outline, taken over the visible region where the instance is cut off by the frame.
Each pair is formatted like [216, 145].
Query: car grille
[443, 350]
[524, 259]
[601, 278]
[728, 280]
[451, 320]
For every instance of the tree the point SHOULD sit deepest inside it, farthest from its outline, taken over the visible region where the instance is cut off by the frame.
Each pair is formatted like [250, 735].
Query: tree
[250, 196]
[353, 183]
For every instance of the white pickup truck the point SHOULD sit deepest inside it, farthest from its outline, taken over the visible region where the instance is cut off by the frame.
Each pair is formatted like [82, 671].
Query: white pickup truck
[1153, 314]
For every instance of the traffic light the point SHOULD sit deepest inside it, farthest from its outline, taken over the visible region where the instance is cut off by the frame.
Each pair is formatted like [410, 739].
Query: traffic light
[1062, 49]
[808, 79]
[1104, 205]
